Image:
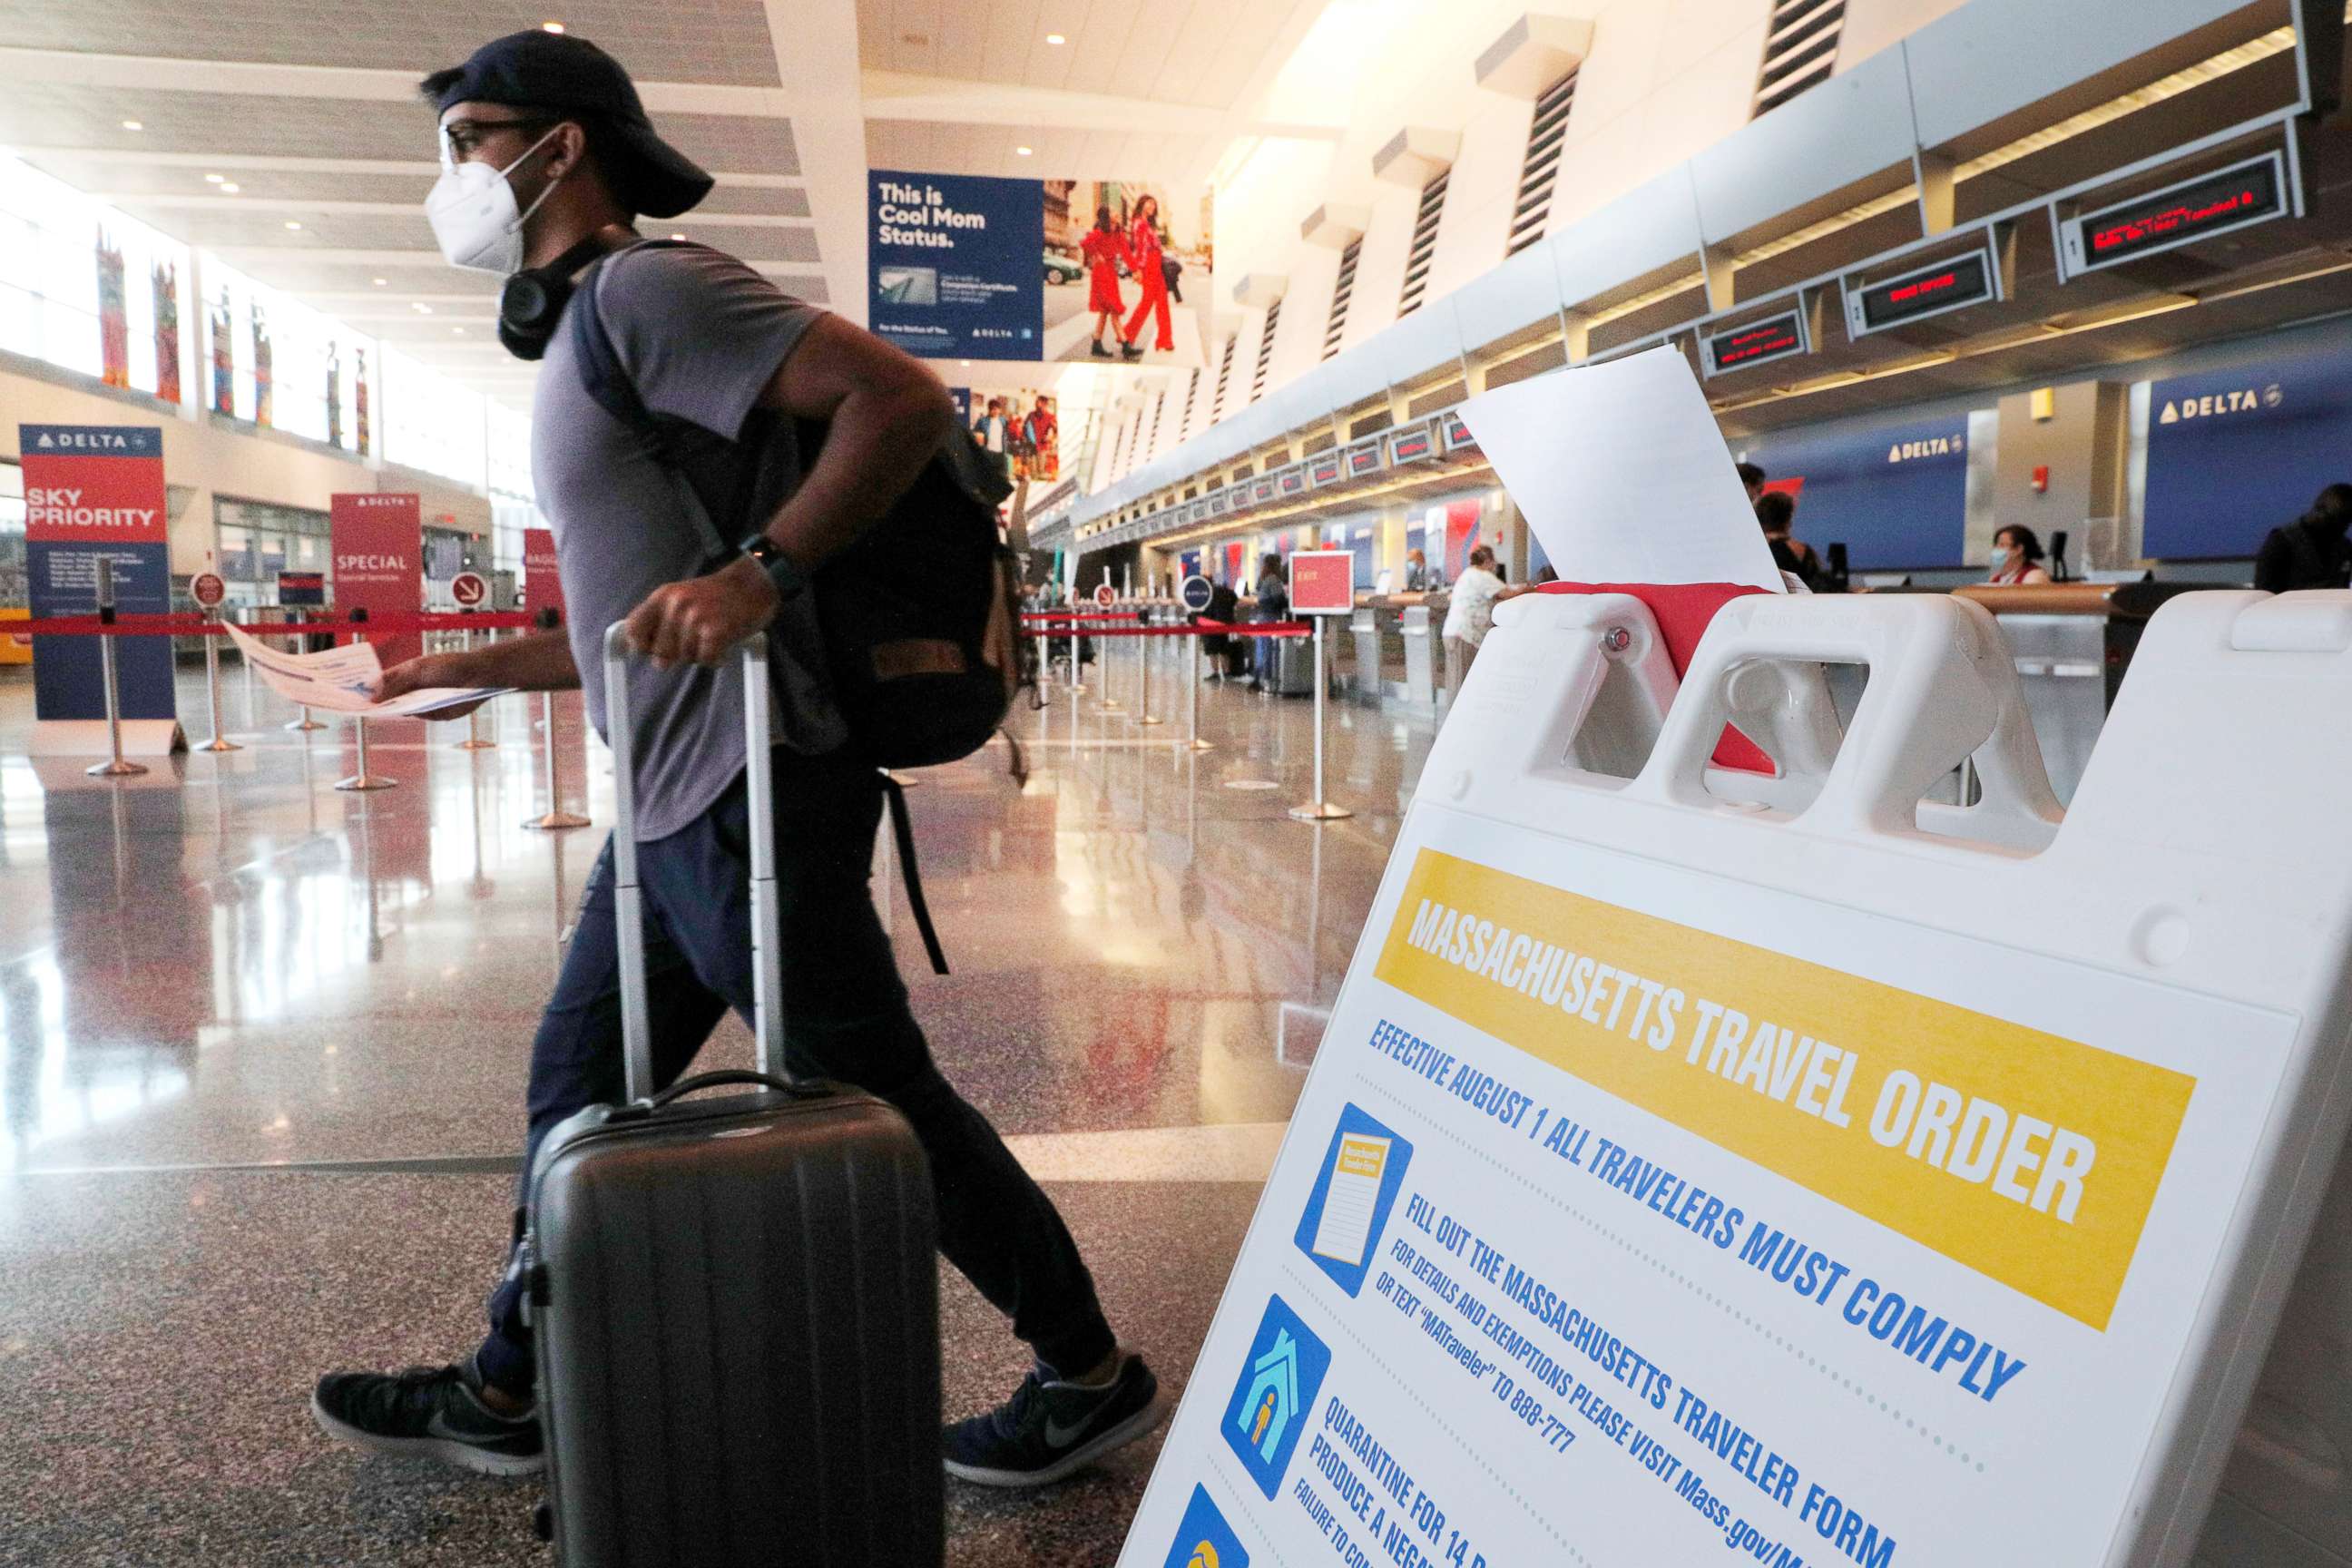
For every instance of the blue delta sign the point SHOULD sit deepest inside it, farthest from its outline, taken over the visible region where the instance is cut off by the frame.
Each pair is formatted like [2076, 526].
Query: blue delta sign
[955, 264]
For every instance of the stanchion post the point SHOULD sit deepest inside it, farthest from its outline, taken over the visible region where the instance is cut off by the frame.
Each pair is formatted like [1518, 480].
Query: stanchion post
[1077, 685]
[362, 779]
[1108, 703]
[115, 768]
[473, 740]
[303, 721]
[1143, 667]
[555, 818]
[219, 742]
[1192, 741]
[1319, 809]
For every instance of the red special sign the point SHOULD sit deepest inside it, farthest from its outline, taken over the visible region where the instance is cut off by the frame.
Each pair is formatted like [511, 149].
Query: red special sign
[379, 547]
[1322, 581]
[93, 484]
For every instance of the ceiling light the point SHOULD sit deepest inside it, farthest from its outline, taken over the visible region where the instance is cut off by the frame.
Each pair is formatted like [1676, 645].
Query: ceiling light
[1024, 151]
[550, 26]
[420, 308]
[229, 190]
[291, 224]
[678, 237]
[380, 282]
[459, 330]
[1056, 38]
[214, 179]
[132, 125]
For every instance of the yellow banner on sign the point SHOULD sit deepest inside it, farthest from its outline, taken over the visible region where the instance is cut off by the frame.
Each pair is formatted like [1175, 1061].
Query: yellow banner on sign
[2029, 1158]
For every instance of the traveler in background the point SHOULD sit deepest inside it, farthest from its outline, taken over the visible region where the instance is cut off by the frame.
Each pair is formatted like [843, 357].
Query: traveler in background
[1273, 605]
[1468, 615]
[548, 160]
[1416, 571]
[1222, 648]
[1776, 512]
[1752, 478]
[2017, 558]
[1103, 249]
[2310, 552]
[1143, 254]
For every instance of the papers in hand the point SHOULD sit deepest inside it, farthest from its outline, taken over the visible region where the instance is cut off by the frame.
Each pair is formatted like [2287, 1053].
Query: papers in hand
[1622, 473]
[344, 680]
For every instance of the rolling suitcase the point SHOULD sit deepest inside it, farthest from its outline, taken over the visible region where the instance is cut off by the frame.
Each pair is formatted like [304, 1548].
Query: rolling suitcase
[735, 1299]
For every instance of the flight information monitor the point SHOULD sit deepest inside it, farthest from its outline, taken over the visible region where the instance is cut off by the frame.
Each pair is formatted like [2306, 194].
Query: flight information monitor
[1950, 285]
[2236, 197]
[1756, 342]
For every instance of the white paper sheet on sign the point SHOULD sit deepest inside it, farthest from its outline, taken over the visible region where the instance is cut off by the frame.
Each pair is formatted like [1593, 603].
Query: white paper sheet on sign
[1622, 473]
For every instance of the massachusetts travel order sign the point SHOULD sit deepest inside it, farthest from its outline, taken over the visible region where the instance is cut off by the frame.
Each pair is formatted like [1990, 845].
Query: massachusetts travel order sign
[1634, 1216]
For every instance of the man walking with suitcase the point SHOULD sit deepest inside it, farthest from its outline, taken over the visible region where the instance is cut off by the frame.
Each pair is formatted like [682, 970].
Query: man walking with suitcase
[547, 158]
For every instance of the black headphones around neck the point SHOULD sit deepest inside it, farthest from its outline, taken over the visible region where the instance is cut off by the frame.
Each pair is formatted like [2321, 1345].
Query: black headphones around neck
[533, 301]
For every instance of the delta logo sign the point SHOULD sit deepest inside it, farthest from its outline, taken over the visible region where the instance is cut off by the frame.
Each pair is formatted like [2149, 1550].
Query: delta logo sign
[2243, 400]
[1928, 446]
[93, 484]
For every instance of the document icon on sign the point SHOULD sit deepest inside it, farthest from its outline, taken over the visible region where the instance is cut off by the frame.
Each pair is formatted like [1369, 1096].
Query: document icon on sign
[1355, 1192]
[1361, 1174]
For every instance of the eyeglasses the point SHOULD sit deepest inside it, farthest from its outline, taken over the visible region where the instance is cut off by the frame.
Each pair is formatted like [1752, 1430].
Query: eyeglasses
[461, 137]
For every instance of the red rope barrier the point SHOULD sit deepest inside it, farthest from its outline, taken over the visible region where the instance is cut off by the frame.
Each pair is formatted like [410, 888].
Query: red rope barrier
[187, 625]
[1198, 629]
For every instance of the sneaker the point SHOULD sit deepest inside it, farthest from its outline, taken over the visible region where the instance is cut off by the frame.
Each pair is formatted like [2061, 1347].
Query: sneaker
[429, 1412]
[1050, 1430]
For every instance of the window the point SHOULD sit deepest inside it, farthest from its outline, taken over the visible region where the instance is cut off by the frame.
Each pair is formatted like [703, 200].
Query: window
[1424, 243]
[431, 422]
[288, 367]
[1265, 350]
[1343, 290]
[15, 586]
[80, 284]
[1800, 49]
[1225, 378]
[1546, 131]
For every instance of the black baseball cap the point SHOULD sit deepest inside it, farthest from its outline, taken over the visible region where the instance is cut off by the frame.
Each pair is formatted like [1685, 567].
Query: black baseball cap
[538, 70]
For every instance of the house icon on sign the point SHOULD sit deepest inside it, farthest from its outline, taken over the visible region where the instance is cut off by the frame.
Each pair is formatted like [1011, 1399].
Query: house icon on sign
[1272, 1395]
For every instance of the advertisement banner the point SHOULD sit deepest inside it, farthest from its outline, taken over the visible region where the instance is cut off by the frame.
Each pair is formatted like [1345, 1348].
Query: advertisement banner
[1020, 431]
[2232, 454]
[543, 585]
[1632, 1214]
[93, 492]
[1896, 495]
[1093, 271]
[379, 548]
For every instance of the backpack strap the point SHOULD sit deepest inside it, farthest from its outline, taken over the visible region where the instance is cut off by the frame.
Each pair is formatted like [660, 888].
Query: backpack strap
[606, 379]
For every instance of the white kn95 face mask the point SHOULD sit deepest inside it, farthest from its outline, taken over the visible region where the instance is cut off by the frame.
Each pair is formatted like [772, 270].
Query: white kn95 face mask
[474, 215]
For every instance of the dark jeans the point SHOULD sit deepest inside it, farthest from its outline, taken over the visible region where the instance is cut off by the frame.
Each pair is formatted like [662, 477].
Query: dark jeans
[846, 1018]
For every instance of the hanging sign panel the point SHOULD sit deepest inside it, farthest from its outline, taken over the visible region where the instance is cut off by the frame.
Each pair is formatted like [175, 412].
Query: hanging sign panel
[1922, 292]
[2235, 452]
[2233, 198]
[1896, 495]
[1756, 342]
[95, 491]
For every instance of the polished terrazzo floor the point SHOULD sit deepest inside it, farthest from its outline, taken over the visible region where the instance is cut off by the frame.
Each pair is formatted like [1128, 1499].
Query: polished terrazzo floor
[264, 1045]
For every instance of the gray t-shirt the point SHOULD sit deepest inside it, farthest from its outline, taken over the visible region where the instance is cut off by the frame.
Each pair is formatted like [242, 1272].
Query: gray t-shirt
[701, 335]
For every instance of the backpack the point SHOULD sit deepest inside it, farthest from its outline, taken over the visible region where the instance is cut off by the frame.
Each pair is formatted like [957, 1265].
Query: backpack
[922, 663]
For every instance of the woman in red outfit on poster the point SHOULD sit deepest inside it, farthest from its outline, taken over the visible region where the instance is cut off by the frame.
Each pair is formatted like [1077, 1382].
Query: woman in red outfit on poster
[1104, 248]
[1150, 280]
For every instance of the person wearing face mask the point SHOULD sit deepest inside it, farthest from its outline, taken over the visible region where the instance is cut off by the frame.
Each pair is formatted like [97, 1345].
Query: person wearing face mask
[2017, 557]
[548, 160]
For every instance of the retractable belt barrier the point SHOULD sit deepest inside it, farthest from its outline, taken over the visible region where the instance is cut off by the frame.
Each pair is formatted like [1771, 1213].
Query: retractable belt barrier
[1818, 1161]
[184, 625]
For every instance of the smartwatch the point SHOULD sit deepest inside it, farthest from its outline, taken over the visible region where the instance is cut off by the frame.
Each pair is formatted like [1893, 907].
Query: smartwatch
[788, 578]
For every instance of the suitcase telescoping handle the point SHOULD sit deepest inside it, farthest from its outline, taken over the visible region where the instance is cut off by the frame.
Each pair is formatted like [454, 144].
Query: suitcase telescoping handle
[628, 902]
